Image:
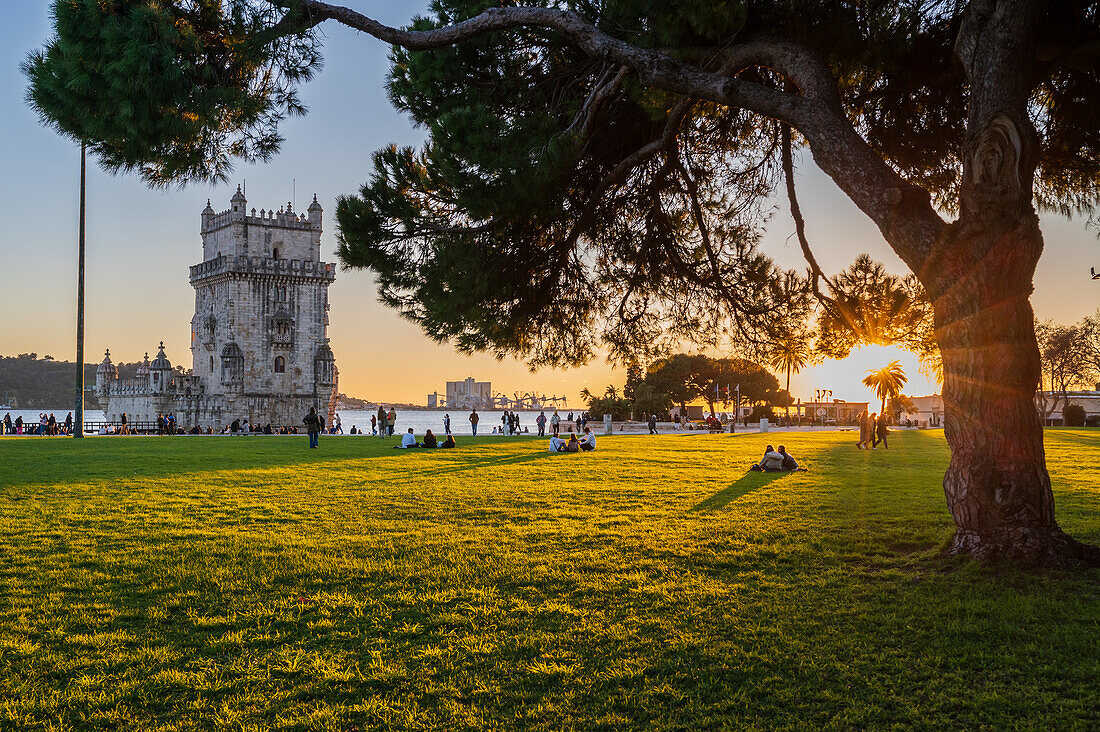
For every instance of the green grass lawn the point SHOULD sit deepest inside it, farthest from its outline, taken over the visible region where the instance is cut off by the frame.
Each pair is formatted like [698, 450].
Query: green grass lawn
[252, 584]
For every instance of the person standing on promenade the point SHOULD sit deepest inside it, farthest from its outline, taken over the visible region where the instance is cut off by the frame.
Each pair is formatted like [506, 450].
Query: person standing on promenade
[313, 427]
[540, 421]
[337, 428]
[446, 424]
[7, 428]
[373, 424]
[391, 421]
[474, 419]
[863, 431]
[555, 423]
[69, 423]
[381, 421]
[653, 424]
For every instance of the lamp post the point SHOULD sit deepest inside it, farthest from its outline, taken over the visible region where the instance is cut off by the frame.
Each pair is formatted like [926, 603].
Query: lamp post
[78, 428]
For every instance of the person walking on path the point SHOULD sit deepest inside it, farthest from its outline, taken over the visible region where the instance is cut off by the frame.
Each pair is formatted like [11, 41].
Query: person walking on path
[540, 421]
[881, 431]
[313, 427]
[474, 419]
[864, 431]
[555, 423]
[653, 424]
[69, 423]
[446, 424]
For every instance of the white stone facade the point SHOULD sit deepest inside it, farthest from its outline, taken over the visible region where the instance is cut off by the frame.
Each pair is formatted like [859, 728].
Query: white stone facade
[259, 342]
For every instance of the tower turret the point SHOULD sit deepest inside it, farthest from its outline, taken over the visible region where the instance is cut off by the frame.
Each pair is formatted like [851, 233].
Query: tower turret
[105, 375]
[160, 371]
[143, 368]
[315, 211]
[237, 205]
[207, 216]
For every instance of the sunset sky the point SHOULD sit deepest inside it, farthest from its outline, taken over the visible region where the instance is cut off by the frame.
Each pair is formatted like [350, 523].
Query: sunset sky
[141, 242]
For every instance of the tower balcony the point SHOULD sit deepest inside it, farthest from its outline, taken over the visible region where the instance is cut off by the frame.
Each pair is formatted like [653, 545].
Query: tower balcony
[248, 265]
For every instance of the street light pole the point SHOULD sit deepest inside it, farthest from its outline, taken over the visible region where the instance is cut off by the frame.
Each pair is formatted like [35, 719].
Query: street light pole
[78, 430]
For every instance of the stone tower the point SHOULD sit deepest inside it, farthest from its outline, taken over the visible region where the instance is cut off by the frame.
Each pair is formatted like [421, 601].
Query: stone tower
[259, 338]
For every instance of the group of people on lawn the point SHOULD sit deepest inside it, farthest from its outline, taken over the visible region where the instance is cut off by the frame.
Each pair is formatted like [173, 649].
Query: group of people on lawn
[587, 443]
[776, 461]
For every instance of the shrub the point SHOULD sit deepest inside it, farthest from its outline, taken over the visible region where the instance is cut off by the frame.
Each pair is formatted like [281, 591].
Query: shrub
[1073, 415]
[759, 412]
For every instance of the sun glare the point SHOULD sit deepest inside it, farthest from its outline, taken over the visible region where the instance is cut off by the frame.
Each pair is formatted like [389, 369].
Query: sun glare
[845, 377]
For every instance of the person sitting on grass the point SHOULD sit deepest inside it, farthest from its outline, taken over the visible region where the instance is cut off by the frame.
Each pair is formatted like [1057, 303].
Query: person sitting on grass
[449, 442]
[429, 440]
[573, 445]
[789, 463]
[557, 444]
[407, 440]
[588, 442]
[771, 462]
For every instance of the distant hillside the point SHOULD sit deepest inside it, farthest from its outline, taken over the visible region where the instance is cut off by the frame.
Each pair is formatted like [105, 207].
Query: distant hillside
[27, 382]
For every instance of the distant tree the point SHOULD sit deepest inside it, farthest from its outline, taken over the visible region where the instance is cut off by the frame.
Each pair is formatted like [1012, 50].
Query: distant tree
[897, 407]
[686, 378]
[1090, 344]
[610, 403]
[789, 353]
[634, 376]
[608, 163]
[758, 385]
[1063, 352]
[649, 401]
[887, 382]
[677, 376]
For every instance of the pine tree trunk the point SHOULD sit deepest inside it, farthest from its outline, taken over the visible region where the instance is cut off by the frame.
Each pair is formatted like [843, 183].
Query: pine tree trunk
[997, 486]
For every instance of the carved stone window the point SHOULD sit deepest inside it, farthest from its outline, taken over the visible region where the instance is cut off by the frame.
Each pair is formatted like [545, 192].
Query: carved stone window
[280, 365]
[232, 364]
[209, 325]
[281, 330]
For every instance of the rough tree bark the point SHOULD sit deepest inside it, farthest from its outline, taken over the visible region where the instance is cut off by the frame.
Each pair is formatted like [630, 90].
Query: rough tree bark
[997, 486]
[979, 276]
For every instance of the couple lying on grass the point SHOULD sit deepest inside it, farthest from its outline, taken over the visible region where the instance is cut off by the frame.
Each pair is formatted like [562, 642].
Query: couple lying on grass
[409, 440]
[774, 462]
[586, 443]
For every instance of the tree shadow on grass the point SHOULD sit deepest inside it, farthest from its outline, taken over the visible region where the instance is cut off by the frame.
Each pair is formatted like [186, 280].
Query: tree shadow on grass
[744, 485]
[28, 463]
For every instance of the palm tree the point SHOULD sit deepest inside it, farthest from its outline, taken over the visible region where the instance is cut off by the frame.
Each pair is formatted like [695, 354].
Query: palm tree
[887, 382]
[790, 353]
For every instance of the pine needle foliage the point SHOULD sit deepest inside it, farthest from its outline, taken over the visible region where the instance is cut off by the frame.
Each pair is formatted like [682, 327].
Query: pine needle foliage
[171, 90]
